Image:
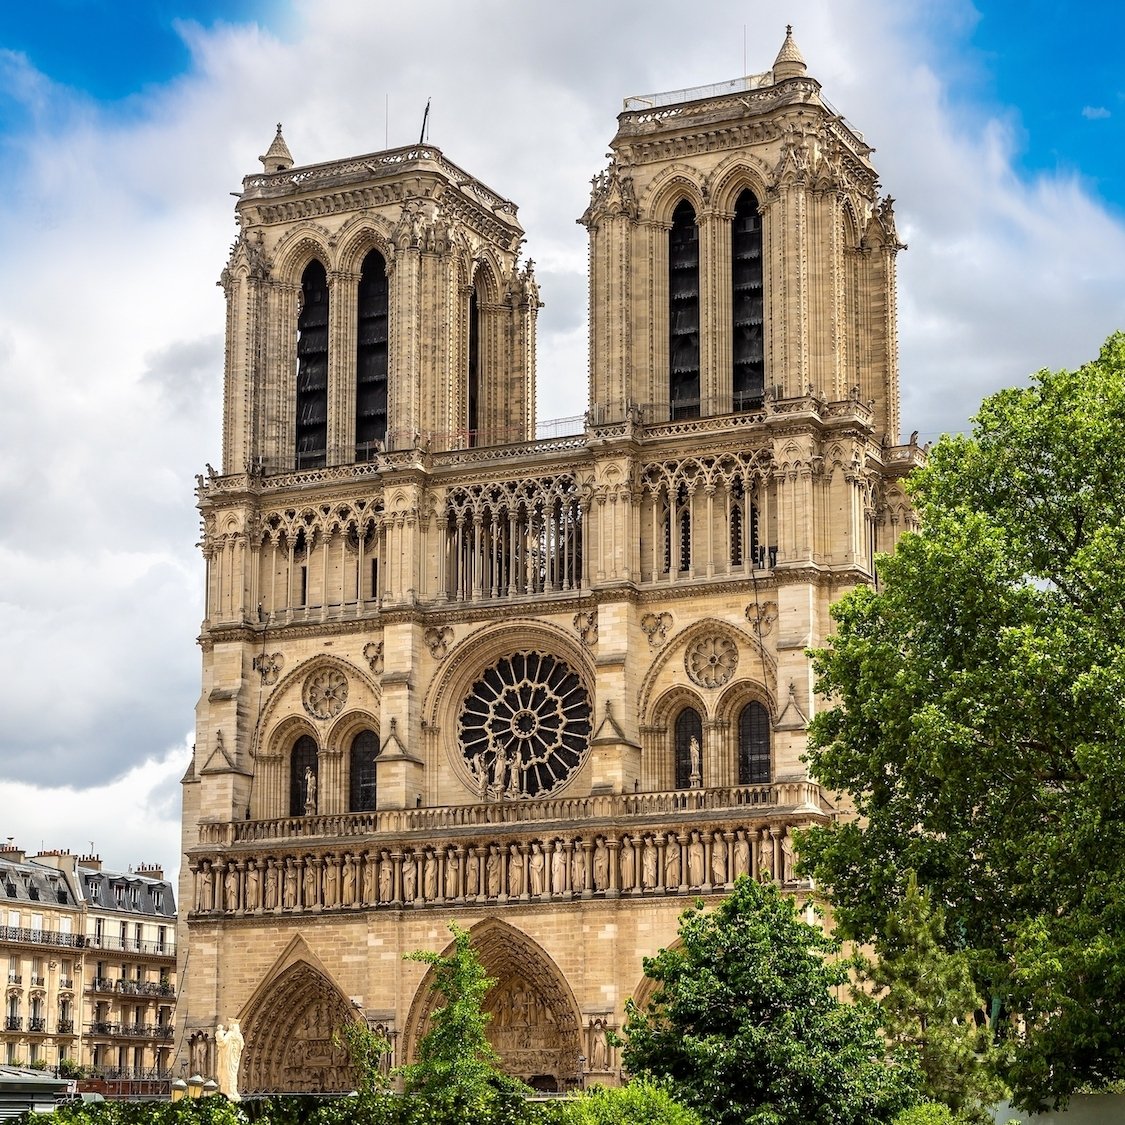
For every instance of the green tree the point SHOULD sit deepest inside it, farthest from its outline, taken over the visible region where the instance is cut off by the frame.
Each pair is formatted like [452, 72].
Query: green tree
[977, 720]
[367, 1051]
[929, 1003]
[747, 1025]
[458, 1072]
[638, 1103]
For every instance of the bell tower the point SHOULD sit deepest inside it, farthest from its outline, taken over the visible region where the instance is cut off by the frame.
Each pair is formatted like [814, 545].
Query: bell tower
[739, 249]
[374, 304]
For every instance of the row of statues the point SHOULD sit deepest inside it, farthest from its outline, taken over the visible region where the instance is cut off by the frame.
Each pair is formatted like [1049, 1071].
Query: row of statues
[659, 863]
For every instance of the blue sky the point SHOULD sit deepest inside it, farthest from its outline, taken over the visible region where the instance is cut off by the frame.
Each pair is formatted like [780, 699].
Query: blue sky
[125, 125]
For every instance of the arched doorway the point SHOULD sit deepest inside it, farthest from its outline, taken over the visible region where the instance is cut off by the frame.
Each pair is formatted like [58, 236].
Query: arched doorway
[534, 1024]
[290, 1029]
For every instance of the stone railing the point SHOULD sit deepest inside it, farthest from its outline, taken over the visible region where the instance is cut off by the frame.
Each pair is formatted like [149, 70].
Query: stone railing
[683, 803]
[699, 854]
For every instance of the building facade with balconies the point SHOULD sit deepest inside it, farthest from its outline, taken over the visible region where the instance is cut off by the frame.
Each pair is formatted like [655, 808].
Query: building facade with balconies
[554, 689]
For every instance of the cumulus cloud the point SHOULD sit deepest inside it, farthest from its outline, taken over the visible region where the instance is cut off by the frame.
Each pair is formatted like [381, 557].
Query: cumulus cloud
[1095, 112]
[116, 223]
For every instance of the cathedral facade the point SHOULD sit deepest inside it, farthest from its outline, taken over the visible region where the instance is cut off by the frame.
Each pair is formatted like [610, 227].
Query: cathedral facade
[555, 689]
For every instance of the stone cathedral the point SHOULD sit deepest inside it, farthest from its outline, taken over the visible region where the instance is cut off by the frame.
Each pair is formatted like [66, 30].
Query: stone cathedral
[552, 689]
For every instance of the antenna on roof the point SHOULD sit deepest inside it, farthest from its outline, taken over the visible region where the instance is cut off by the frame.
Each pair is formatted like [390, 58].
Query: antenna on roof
[425, 118]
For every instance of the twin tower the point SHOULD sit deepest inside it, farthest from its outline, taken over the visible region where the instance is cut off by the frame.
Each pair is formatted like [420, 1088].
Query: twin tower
[551, 689]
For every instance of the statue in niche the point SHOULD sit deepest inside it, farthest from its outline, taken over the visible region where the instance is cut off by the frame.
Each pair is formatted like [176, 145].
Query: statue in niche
[719, 861]
[429, 876]
[696, 761]
[788, 858]
[452, 874]
[200, 1052]
[765, 858]
[331, 881]
[310, 883]
[472, 875]
[409, 877]
[578, 870]
[741, 854]
[230, 886]
[515, 872]
[628, 865]
[648, 863]
[696, 865]
[271, 887]
[349, 880]
[558, 868]
[537, 865]
[493, 871]
[253, 884]
[289, 891]
[203, 887]
[310, 791]
[370, 864]
[386, 876]
[601, 865]
[599, 1046]
[672, 862]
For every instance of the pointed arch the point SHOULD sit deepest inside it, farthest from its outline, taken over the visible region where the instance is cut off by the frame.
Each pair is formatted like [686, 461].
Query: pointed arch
[289, 1024]
[535, 1025]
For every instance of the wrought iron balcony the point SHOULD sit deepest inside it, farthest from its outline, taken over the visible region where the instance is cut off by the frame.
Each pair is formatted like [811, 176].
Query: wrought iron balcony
[64, 1027]
[13, 1023]
[23, 934]
[132, 945]
[37, 1023]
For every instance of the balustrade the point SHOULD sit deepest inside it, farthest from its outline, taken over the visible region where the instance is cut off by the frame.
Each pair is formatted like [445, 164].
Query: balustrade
[692, 855]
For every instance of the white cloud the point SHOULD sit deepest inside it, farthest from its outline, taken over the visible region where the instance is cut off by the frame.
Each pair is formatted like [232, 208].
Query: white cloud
[115, 229]
[1095, 112]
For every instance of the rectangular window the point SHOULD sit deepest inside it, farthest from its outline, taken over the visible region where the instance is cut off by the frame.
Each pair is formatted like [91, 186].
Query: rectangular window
[303, 592]
[161, 937]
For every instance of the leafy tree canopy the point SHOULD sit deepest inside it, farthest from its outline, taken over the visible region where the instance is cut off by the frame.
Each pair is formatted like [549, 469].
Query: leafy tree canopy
[978, 718]
[931, 1006]
[457, 1069]
[746, 1022]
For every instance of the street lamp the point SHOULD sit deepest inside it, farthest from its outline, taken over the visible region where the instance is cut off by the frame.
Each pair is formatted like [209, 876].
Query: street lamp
[179, 1089]
[195, 1086]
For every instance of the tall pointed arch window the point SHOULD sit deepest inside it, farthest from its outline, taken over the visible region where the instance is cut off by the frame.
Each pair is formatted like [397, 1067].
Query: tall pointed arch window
[472, 373]
[754, 766]
[302, 758]
[746, 303]
[361, 772]
[372, 340]
[683, 313]
[688, 726]
[312, 369]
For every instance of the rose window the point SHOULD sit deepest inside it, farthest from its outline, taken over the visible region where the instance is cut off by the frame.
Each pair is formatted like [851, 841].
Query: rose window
[325, 693]
[525, 726]
[711, 661]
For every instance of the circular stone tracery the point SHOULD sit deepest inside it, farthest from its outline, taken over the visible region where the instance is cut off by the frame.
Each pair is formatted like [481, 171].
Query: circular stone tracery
[325, 693]
[524, 728]
[711, 661]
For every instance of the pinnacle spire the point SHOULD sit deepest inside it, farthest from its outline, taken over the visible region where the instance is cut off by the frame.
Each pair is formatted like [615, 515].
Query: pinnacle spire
[790, 63]
[278, 158]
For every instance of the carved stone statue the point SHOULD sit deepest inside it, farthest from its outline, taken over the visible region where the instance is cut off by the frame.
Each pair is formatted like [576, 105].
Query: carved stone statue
[696, 760]
[472, 874]
[230, 887]
[409, 877]
[253, 885]
[558, 868]
[719, 861]
[696, 863]
[515, 872]
[369, 871]
[537, 869]
[452, 874]
[204, 887]
[349, 880]
[741, 854]
[289, 893]
[310, 791]
[229, 1044]
[429, 876]
[310, 883]
[578, 871]
[386, 877]
[271, 887]
[648, 863]
[331, 881]
[628, 865]
[788, 857]
[601, 865]
[493, 869]
[672, 862]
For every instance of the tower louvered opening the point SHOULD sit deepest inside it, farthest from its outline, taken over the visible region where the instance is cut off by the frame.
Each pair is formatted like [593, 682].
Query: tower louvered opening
[312, 369]
[372, 339]
[683, 313]
[746, 279]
